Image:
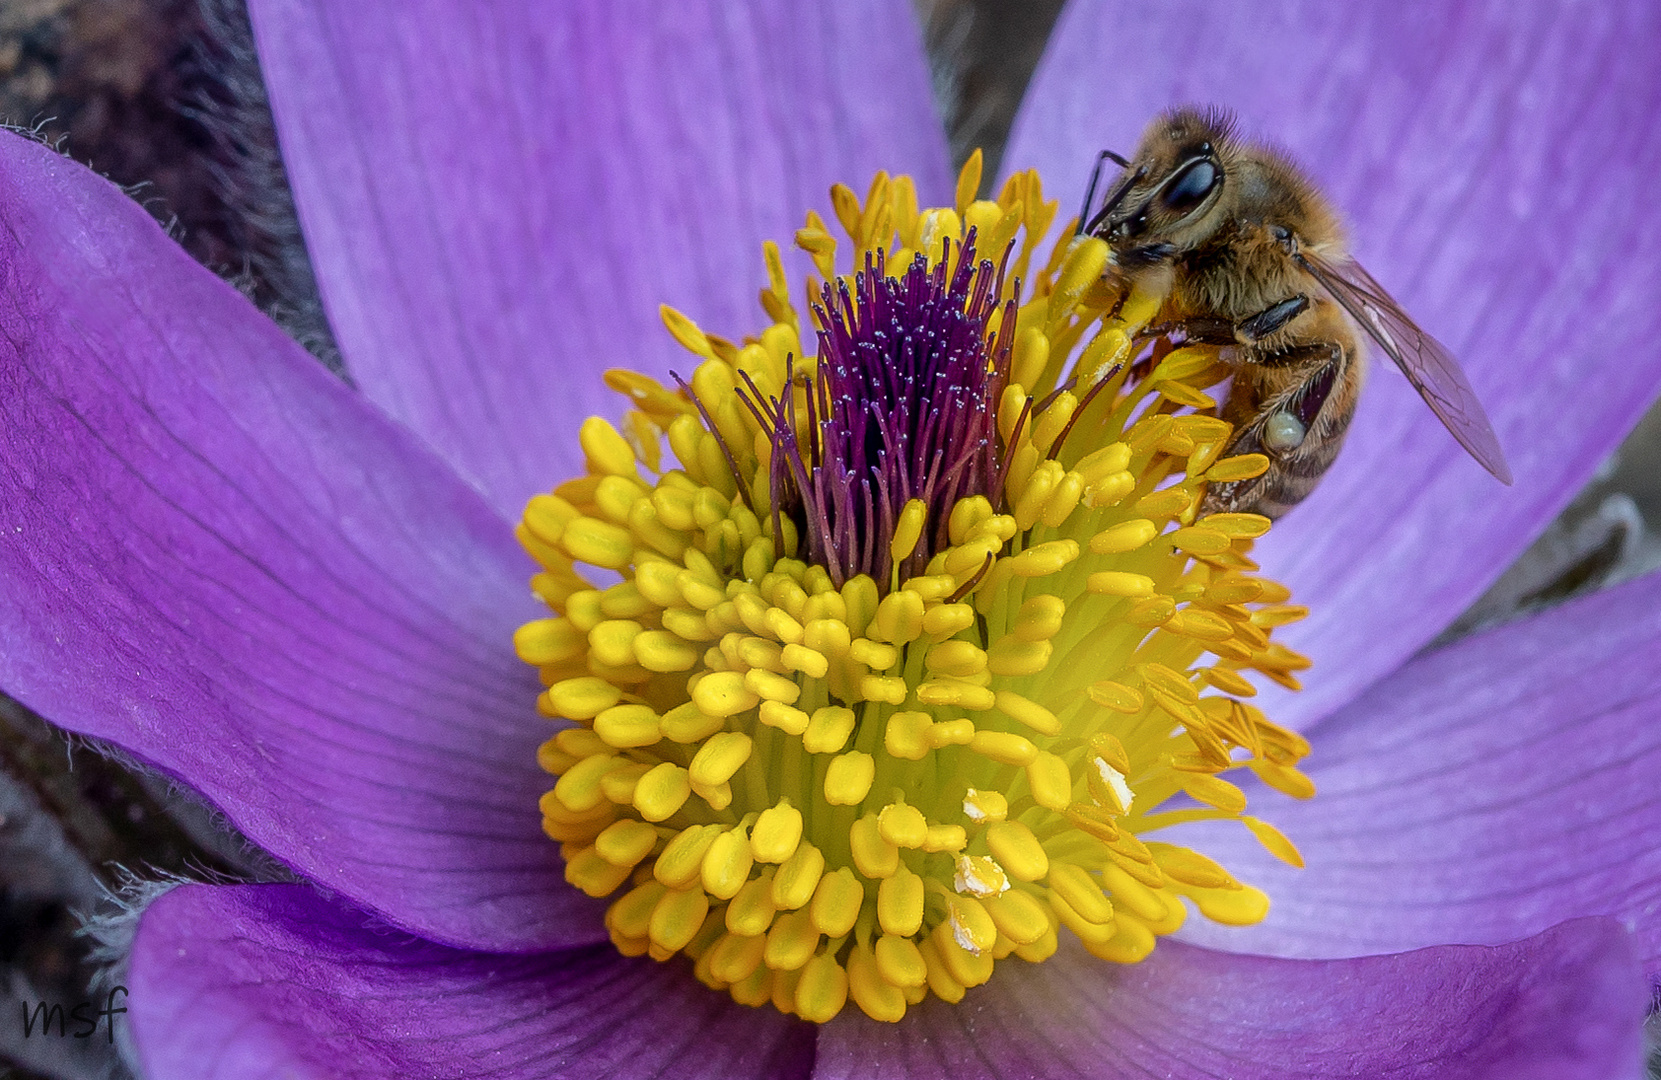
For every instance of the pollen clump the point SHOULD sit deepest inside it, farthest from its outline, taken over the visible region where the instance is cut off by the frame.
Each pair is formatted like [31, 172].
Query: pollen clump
[895, 662]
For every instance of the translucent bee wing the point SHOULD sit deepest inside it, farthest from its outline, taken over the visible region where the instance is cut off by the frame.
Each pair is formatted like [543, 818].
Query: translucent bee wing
[1426, 362]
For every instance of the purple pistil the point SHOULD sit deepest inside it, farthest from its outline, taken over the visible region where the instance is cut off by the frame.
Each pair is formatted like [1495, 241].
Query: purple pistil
[903, 405]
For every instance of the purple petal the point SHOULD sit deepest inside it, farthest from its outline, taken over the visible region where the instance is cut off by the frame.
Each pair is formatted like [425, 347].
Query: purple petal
[1565, 1005]
[498, 197]
[1482, 793]
[1494, 160]
[217, 556]
[272, 981]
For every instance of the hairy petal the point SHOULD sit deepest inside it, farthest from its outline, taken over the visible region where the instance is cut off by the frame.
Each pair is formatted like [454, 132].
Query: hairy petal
[1483, 792]
[497, 197]
[1492, 159]
[217, 556]
[257, 981]
[1564, 1005]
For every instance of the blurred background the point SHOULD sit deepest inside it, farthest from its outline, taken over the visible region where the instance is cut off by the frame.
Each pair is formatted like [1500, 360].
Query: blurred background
[164, 98]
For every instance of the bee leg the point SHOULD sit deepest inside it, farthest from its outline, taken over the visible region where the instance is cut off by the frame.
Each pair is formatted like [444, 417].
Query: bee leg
[1252, 330]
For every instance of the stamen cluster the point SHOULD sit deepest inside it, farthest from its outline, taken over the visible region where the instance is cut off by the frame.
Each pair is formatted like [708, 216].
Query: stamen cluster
[915, 641]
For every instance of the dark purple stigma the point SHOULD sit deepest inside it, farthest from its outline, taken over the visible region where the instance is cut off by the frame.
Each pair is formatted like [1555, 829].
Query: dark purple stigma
[903, 406]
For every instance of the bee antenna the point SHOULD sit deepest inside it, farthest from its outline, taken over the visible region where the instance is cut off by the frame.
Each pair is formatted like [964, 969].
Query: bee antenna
[1090, 192]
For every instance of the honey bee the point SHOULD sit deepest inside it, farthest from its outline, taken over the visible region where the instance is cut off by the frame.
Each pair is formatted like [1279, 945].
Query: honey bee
[1250, 256]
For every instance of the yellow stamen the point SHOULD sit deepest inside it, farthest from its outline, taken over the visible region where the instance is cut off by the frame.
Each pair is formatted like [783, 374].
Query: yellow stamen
[824, 784]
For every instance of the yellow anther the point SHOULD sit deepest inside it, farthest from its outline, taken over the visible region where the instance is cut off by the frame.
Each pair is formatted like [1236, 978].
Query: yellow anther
[1018, 916]
[662, 791]
[885, 688]
[626, 726]
[1238, 526]
[944, 620]
[582, 698]
[727, 864]
[1243, 906]
[900, 962]
[806, 661]
[1214, 791]
[579, 788]
[958, 659]
[1044, 559]
[681, 862]
[828, 729]
[940, 979]
[1131, 894]
[878, 998]
[962, 693]
[959, 732]
[949, 838]
[677, 917]
[874, 654]
[1030, 500]
[1115, 696]
[798, 877]
[1050, 781]
[969, 925]
[604, 449]
[721, 755]
[791, 941]
[907, 735]
[1274, 841]
[612, 641]
[724, 693]
[830, 637]
[899, 618]
[903, 825]
[1080, 891]
[874, 855]
[600, 543]
[836, 902]
[631, 916]
[660, 650]
[735, 956]
[1240, 467]
[787, 718]
[777, 832]
[979, 876]
[900, 898]
[686, 723]
[1039, 618]
[823, 990]
[772, 686]
[1018, 851]
[751, 912]
[591, 873]
[1011, 656]
[1085, 263]
[1120, 583]
[1004, 747]
[1091, 933]
[626, 842]
[848, 779]
[908, 529]
[546, 641]
[1189, 867]
[983, 807]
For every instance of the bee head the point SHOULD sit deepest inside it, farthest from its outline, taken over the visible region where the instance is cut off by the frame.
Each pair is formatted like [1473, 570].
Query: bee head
[1166, 196]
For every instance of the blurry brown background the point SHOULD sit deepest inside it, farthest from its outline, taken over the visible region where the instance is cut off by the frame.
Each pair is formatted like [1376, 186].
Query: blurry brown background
[163, 96]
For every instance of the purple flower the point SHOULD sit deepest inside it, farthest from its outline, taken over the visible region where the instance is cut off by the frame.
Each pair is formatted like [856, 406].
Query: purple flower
[296, 597]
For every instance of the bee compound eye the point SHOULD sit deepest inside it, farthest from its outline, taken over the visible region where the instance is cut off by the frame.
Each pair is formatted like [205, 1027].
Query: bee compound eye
[1192, 183]
[1283, 432]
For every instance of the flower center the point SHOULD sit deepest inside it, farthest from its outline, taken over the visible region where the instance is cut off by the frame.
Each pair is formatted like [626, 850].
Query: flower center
[918, 639]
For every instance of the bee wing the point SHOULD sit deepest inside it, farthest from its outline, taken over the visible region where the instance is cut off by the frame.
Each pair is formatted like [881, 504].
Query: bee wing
[1426, 362]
